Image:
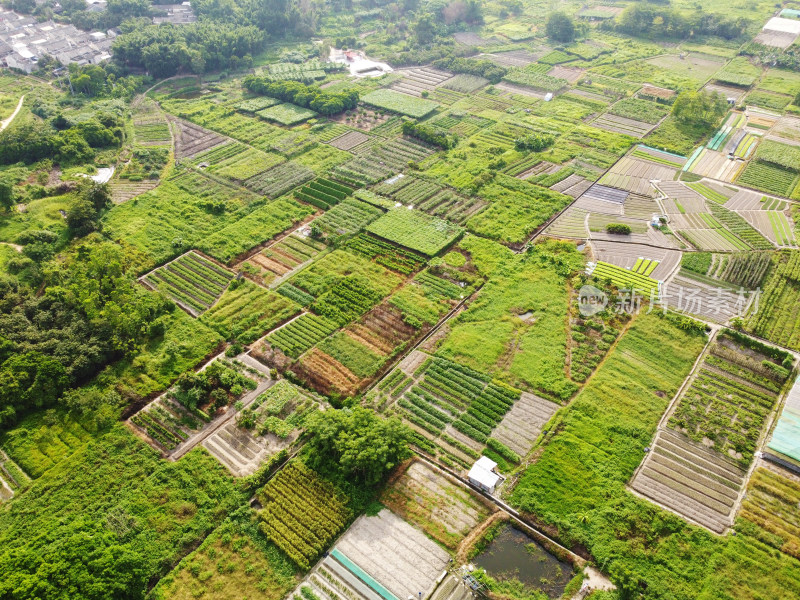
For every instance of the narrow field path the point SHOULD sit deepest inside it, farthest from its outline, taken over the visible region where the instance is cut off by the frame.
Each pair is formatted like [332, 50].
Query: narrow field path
[6, 122]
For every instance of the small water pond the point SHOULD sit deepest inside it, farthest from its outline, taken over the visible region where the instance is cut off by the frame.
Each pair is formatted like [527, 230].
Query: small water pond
[513, 554]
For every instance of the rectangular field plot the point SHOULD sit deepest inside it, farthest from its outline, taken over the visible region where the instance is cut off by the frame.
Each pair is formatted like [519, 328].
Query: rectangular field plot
[634, 175]
[349, 140]
[283, 257]
[302, 333]
[286, 114]
[714, 238]
[237, 161]
[772, 224]
[624, 278]
[400, 103]
[379, 558]
[523, 423]
[347, 217]
[280, 179]
[778, 316]
[265, 427]
[415, 230]
[617, 124]
[380, 162]
[442, 508]
[772, 502]
[729, 398]
[420, 79]
[628, 255]
[571, 224]
[717, 166]
[247, 312]
[194, 283]
[704, 298]
[690, 480]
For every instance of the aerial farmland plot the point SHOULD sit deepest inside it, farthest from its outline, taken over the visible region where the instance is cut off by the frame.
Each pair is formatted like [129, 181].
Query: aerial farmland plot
[698, 464]
[193, 282]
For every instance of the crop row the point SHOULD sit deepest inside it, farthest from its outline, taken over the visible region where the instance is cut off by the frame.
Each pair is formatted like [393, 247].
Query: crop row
[386, 254]
[741, 228]
[299, 335]
[350, 298]
[279, 179]
[439, 286]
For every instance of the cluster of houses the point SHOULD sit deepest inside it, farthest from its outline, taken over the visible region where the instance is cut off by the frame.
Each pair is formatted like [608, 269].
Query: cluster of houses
[24, 40]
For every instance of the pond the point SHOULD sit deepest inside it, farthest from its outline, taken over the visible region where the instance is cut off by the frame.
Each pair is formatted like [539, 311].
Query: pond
[513, 554]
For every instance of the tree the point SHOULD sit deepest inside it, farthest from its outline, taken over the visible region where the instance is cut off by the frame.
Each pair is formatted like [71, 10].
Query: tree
[356, 443]
[560, 27]
[699, 109]
[6, 194]
[424, 30]
[81, 216]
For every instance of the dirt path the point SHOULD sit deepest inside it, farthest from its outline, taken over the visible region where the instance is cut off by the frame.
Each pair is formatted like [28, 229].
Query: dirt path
[6, 122]
[16, 247]
[477, 533]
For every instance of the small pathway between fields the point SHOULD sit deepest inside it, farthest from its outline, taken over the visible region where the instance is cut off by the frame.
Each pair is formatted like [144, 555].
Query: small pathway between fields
[6, 122]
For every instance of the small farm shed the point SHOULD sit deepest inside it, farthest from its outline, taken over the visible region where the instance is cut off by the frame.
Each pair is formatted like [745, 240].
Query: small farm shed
[483, 474]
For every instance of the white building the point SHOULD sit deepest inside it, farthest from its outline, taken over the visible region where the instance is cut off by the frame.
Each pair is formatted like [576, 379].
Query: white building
[483, 475]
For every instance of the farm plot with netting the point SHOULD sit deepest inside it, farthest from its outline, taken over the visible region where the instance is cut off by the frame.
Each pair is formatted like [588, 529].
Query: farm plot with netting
[661, 262]
[415, 230]
[716, 165]
[192, 139]
[429, 499]
[420, 79]
[690, 480]
[302, 513]
[778, 315]
[269, 424]
[246, 312]
[281, 258]
[400, 103]
[194, 283]
[280, 179]
[635, 174]
[380, 557]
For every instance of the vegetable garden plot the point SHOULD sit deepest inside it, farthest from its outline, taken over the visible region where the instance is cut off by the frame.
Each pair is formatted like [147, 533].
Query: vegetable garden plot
[687, 199]
[712, 191]
[380, 162]
[726, 91]
[523, 423]
[415, 230]
[420, 79]
[730, 396]
[660, 262]
[349, 140]
[716, 165]
[193, 282]
[704, 298]
[741, 228]
[286, 114]
[623, 278]
[768, 178]
[172, 418]
[387, 254]
[569, 74]
[573, 186]
[772, 224]
[348, 217]
[445, 510]
[778, 316]
[456, 404]
[786, 130]
[284, 256]
[690, 480]
[639, 110]
[256, 104]
[237, 161]
[302, 513]
[538, 81]
[323, 193]
[746, 269]
[785, 436]
[771, 503]
[300, 334]
[738, 72]
[513, 58]
[248, 311]
[192, 139]
[631, 127]
[571, 224]
[400, 103]
[212, 190]
[464, 83]
[715, 238]
[280, 179]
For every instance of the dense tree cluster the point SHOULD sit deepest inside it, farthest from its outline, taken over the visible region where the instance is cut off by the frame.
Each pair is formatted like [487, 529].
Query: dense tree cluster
[90, 313]
[356, 444]
[59, 138]
[307, 96]
[701, 109]
[535, 142]
[659, 21]
[480, 67]
[430, 135]
[560, 27]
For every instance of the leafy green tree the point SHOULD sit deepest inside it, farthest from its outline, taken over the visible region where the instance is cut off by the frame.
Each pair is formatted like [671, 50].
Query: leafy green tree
[6, 194]
[424, 30]
[699, 109]
[560, 27]
[356, 443]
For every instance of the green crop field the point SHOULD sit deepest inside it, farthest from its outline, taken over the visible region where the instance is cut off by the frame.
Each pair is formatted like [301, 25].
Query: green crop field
[415, 230]
[400, 103]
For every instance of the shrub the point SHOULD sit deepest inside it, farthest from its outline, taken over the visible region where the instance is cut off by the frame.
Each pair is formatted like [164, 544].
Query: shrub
[620, 228]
